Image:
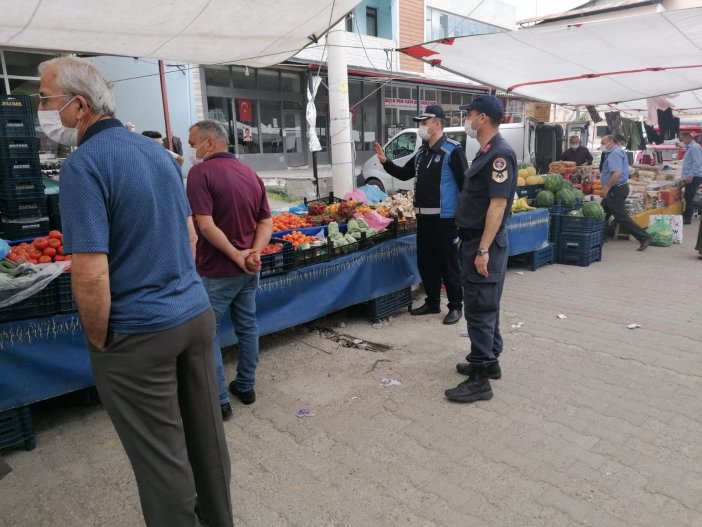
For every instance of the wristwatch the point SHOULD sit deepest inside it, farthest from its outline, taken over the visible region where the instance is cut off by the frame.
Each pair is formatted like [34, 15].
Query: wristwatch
[482, 252]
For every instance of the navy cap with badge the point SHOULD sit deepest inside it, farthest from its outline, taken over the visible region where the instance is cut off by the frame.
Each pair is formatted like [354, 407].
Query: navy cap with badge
[487, 104]
[433, 110]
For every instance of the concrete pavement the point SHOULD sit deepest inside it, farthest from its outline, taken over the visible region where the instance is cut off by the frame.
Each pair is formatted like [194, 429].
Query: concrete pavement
[592, 423]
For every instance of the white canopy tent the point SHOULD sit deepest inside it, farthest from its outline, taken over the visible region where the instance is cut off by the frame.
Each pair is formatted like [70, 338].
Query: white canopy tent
[246, 32]
[596, 63]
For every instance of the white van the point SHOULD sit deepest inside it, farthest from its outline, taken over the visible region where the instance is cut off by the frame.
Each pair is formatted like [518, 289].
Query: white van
[402, 146]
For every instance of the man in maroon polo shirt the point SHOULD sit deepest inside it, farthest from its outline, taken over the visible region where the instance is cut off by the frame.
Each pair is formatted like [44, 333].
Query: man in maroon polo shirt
[233, 223]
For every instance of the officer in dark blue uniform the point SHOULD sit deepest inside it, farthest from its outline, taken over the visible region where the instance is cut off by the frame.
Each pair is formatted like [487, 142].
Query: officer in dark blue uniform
[485, 205]
[439, 165]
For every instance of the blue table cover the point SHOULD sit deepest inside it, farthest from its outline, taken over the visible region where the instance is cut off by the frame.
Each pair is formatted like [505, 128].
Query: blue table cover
[46, 357]
[527, 231]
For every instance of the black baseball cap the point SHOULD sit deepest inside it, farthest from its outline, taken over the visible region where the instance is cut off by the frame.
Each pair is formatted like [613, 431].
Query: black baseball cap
[433, 110]
[487, 104]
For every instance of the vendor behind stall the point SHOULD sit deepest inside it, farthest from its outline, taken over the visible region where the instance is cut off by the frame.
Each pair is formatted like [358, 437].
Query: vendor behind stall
[578, 153]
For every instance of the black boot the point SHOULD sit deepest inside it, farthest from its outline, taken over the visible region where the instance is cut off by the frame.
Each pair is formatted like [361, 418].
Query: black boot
[425, 309]
[492, 370]
[454, 315]
[475, 388]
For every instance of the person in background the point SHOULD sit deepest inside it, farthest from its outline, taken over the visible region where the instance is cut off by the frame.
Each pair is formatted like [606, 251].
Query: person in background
[439, 165]
[156, 136]
[485, 205]
[576, 152]
[621, 140]
[233, 221]
[130, 126]
[615, 189]
[145, 315]
[691, 173]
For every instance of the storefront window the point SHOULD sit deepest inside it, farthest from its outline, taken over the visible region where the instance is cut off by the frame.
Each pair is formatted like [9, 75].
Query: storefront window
[271, 130]
[217, 76]
[355, 96]
[244, 78]
[370, 115]
[292, 127]
[290, 82]
[3, 91]
[248, 138]
[219, 109]
[321, 102]
[268, 80]
[22, 64]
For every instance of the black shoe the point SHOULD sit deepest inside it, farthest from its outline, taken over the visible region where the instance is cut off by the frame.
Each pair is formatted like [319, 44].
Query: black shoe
[425, 309]
[247, 397]
[687, 222]
[492, 371]
[226, 411]
[644, 244]
[454, 315]
[475, 388]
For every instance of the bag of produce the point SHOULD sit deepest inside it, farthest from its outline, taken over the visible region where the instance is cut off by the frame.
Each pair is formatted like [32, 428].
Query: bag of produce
[26, 280]
[661, 233]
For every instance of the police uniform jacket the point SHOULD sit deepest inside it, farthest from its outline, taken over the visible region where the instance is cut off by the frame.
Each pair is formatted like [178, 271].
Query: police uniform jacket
[493, 173]
[439, 170]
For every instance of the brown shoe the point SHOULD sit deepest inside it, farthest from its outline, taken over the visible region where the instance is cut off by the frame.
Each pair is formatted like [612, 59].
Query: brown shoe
[644, 244]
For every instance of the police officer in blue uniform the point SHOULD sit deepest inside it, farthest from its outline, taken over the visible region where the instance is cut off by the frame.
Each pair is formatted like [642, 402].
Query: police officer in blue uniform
[439, 165]
[485, 205]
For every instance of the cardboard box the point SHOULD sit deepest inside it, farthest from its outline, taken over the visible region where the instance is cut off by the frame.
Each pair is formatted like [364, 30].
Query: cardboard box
[541, 111]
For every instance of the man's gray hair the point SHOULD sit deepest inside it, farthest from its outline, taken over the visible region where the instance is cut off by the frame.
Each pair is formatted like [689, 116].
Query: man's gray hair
[79, 77]
[213, 129]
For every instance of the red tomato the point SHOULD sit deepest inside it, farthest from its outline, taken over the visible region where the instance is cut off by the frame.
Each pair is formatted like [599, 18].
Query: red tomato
[44, 259]
[54, 242]
[32, 261]
[23, 245]
[58, 258]
[56, 235]
[13, 257]
[34, 253]
[49, 251]
[40, 243]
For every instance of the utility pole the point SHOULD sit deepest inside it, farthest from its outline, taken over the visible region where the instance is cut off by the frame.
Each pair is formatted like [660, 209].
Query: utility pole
[339, 117]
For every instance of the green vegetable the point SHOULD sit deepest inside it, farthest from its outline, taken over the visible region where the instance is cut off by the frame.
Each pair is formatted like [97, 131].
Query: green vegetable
[553, 182]
[592, 209]
[353, 226]
[545, 198]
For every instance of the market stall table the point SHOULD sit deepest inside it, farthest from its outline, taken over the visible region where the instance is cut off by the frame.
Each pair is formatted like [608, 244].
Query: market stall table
[46, 357]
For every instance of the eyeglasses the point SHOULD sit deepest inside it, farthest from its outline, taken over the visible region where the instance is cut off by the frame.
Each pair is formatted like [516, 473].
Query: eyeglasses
[43, 98]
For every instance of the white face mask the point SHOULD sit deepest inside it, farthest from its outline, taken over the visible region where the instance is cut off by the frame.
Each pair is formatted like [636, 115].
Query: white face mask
[50, 121]
[192, 154]
[574, 146]
[424, 132]
[470, 131]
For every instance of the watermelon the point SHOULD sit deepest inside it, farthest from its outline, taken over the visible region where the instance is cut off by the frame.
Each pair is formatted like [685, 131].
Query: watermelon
[545, 198]
[592, 209]
[578, 213]
[566, 197]
[567, 184]
[553, 182]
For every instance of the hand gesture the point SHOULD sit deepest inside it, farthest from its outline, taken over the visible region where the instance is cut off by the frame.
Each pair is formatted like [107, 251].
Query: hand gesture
[380, 153]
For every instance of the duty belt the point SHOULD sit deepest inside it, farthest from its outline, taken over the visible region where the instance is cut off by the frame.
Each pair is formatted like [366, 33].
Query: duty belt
[427, 211]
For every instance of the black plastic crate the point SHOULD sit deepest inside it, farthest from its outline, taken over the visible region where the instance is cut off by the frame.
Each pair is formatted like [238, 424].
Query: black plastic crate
[23, 208]
[41, 304]
[31, 187]
[16, 126]
[16, 427]
[18, 148]
[16, 106]
[52, 204]
[581, 224]
[380, 237]
[21, 229]
[65, 303]
[529, 191]
[582, 240]
[386, 305]
[280, 262]
[311, 256]
[543, 256]
[582, 258]
[554, 227]
[325, 201]
[406, 226]
[20, 168]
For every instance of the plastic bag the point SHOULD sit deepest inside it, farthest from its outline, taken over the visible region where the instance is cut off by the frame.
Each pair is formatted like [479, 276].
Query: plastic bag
[31, 280]
[661, 233]
[4, 248]
[375, 220]
[300, 208]
[357, 195]
[373, 193]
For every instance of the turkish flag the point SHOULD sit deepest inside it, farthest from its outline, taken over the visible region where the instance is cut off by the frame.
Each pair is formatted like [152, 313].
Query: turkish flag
[245, 110]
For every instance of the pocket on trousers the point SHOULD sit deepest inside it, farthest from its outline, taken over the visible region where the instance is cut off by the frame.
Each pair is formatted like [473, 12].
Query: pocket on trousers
[481, 297]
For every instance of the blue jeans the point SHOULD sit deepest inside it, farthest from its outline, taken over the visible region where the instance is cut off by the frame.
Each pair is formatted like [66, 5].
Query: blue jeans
[238, 295]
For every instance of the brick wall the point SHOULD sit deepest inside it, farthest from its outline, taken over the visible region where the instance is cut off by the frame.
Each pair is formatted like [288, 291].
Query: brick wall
[411, 32]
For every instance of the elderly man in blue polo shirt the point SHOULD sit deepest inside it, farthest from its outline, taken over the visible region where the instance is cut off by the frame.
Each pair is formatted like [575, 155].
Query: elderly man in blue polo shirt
[691, 172]
[615, 189]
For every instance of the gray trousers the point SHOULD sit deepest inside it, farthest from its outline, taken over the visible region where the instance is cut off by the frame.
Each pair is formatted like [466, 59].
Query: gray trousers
[160, 392]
